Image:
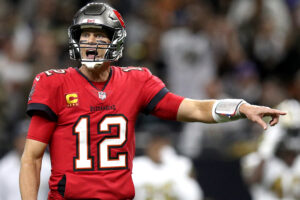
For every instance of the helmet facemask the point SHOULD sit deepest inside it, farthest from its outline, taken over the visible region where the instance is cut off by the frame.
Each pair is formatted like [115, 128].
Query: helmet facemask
[104, 18]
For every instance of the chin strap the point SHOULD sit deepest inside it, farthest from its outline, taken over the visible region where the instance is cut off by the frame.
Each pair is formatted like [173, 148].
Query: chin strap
[91, 65]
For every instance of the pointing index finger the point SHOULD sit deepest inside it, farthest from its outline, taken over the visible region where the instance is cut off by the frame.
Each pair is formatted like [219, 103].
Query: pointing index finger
[275, 111]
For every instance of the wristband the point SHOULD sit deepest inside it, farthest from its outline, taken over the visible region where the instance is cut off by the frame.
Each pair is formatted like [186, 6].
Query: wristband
[225, 110]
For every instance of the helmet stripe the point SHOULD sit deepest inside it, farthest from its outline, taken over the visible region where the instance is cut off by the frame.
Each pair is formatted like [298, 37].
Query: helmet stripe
[119, 17]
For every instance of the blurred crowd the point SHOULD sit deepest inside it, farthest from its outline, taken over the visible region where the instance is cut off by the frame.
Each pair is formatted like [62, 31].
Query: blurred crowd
[201, 49]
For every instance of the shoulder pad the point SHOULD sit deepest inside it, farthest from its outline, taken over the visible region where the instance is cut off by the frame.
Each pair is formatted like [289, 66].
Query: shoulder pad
[138, 73]
[50, 76]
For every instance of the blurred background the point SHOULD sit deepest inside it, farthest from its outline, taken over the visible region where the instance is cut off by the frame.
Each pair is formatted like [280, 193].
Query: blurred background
[201, 49]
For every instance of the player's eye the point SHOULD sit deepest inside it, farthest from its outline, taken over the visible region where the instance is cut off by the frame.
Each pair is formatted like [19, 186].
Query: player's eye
[85, 35]
[98, 35]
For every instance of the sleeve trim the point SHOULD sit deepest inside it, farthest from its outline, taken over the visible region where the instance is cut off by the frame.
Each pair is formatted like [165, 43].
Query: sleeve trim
[37, 139]
[155, 100]
[33, 107]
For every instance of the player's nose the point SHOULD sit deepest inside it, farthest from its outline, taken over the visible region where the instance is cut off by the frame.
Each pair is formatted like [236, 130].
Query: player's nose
[91, 39]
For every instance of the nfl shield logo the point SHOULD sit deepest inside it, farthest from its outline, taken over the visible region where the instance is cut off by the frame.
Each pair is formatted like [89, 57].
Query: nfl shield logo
[102, 95]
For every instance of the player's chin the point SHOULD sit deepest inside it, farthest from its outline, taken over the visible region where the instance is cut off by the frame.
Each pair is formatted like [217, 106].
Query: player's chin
[97, 66]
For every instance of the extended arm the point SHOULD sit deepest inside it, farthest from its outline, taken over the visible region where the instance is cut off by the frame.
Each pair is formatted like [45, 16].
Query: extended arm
[196, 111]
[202, 111]
[30, 169]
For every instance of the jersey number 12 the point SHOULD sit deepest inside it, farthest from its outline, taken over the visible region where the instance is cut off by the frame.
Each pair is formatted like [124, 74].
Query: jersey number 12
[84, 161]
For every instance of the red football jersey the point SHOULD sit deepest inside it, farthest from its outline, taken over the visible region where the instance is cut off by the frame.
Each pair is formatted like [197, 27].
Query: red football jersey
[93, 145]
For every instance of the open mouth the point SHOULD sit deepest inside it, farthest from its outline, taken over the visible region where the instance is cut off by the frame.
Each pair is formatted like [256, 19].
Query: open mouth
[91, 53]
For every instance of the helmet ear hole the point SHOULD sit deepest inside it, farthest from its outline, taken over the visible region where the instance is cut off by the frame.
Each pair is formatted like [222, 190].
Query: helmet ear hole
[74, 50]
[77, 53]
[72, 53]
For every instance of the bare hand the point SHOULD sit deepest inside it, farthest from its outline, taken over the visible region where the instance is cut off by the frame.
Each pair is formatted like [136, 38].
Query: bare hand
[256, 113]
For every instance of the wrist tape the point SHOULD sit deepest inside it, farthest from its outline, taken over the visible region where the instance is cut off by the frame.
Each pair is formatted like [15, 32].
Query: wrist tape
[225, 110]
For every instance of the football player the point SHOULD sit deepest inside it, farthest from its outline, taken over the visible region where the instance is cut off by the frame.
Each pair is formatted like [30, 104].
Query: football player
[272, 171]
[162, 179]
[87, 115]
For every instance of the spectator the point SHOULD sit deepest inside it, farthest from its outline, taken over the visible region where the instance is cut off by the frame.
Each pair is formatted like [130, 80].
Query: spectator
[264, 27]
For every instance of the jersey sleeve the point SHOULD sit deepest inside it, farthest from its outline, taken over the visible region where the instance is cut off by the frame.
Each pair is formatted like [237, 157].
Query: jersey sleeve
[40, 129]
[168, 107]
[152, 92]
[43, 97]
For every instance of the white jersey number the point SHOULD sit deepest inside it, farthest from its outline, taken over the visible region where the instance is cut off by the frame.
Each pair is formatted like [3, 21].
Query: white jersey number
[84, 161]
[55, 71]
